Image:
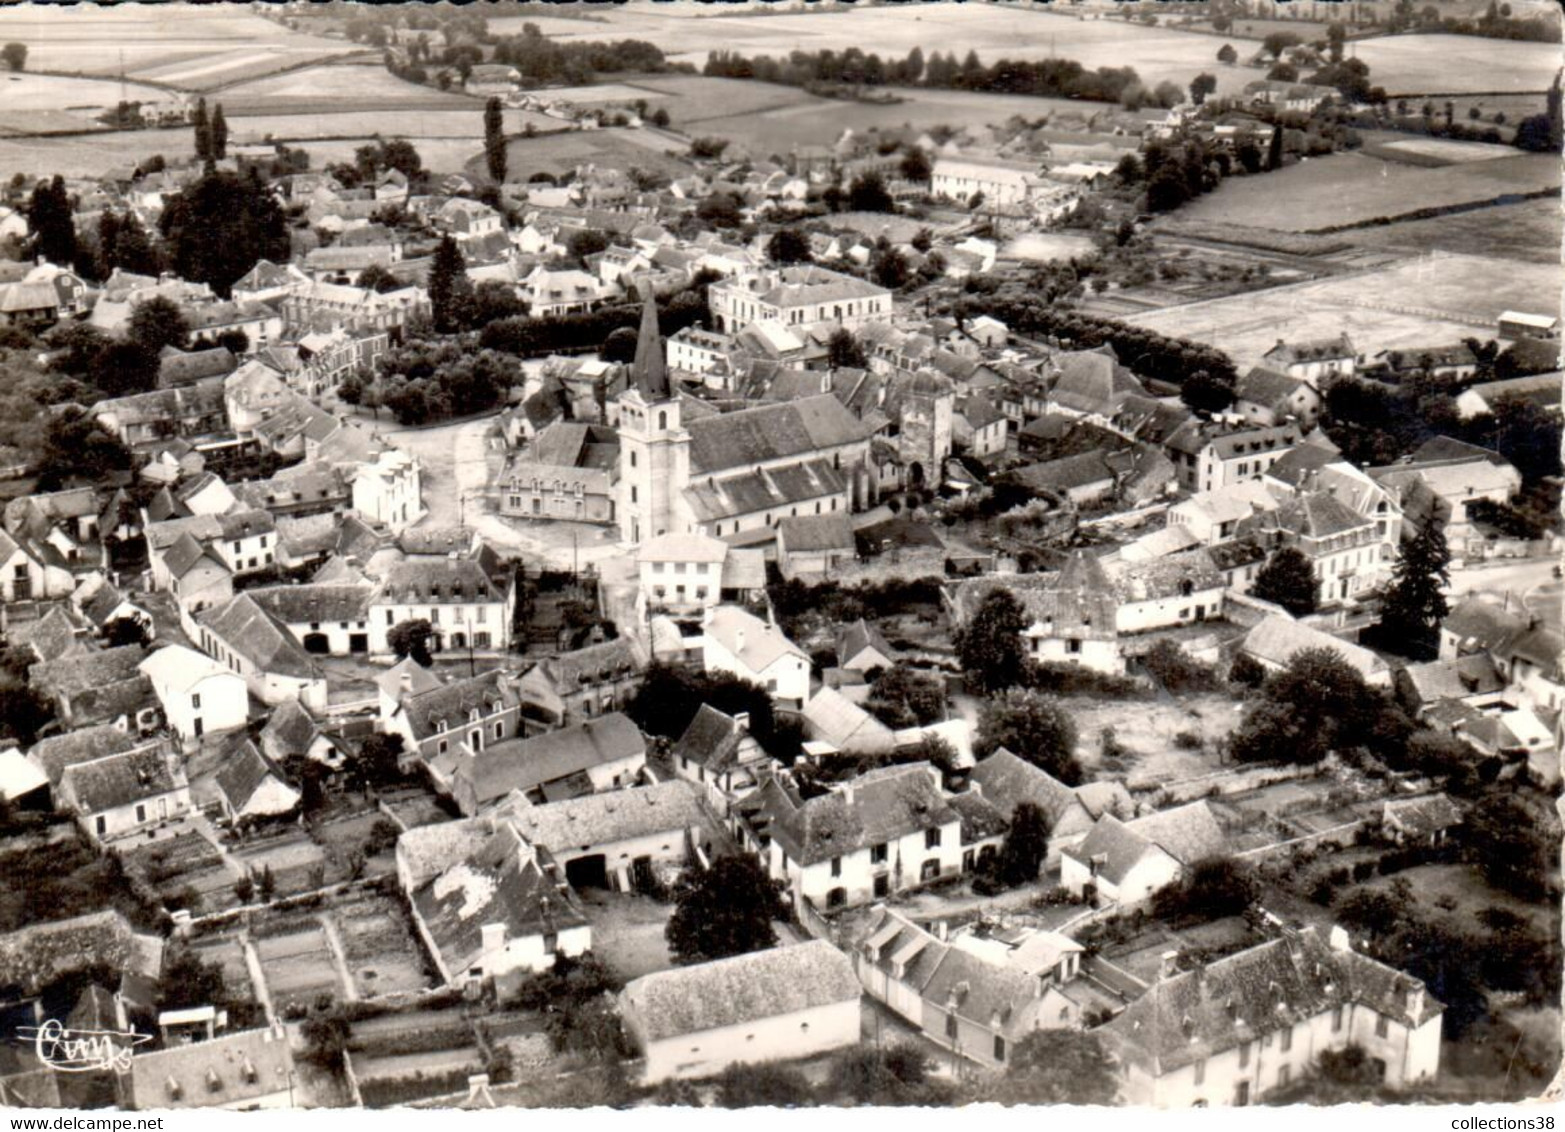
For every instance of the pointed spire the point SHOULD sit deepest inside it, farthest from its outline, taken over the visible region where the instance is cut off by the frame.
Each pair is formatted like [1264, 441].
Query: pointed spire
[650, 369]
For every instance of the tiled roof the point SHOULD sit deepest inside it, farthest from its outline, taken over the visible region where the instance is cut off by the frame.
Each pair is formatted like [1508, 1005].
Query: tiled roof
[426, 580]
[246, 628]
[608, 660]
[1186, 833]
[887, 804]
[1423, 816]
[768, 489]
[119, 780]
[1202, 1013]
[54, 754]
[79, 672]
[1318, 515]
[315, 602]
[181, 368]
[243, 772]
[740, 990]
[225, 1071]
[711, 740]
[1277, 638]
[1266, 387]
[816, 532]
[1186, 572]
[522, 764]
[669, 808]
[980, 817]
[1314, 349]
[290, 730]
[770, 432]
[763, 643]
[453, 703]
[859, 636]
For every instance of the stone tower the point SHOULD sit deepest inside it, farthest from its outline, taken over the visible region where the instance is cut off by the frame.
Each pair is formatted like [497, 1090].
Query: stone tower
[654, 450]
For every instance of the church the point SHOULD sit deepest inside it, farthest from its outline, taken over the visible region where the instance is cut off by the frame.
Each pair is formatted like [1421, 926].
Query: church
[686, 468]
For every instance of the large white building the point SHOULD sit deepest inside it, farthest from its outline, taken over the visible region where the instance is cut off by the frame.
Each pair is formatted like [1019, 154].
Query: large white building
[802, 298]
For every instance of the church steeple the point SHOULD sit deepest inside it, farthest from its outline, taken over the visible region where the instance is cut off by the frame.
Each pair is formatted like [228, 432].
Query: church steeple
[649, 371]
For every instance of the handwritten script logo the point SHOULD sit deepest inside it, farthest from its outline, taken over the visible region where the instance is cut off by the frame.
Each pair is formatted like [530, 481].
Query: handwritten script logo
[82, 1051]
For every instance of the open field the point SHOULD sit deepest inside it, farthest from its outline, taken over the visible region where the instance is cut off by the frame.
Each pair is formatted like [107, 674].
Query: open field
[57, 92]
[90, 155]
[1147, 730]
[191, 48]
[389, 123]
[1351, 188]
[558, 152]
[1531, 231]
[1433, 299]
[1048, 247]
[298, 967]
[1450, 64]
[338, 86]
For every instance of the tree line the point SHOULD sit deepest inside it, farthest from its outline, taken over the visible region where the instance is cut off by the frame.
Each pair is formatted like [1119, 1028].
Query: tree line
[1051, 78]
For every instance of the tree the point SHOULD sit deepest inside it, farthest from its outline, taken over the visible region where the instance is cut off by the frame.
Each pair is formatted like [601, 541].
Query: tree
[1201, 86]
[620, 345]
[1209, 890]
[189, 981]
[868, 193]
[1056, 1067]
[1279, 41]
[158, 322]
[23, 712]
[659, 118]
[218, 132]
[1206, 393]
[326, 1034]
[1031, 726]
[708, 149]
[1415, 603]
[915, 166]
[1167, 188]
[586, 242]
[15, 55]
[1316, 705]
[721, 210]
[989, 647]
[902, 696]
[1510, 844]
[379, 279]
[1274, 149]
[75, 447]
[1026, 845]
[789, 245]
[1336, 34]
[123, 367]
[450, 290]
[51, 222]
[763, 1085]
[725, 910]
[378, 761]
[218, 228]
[411, 639]
[1227, 54]
[203, 130]
[890, 268]
[1287, 580]
[1283, 73]
[494, 140]
[131, 248]
[126, 631]
[844, 351]
[869, 1075]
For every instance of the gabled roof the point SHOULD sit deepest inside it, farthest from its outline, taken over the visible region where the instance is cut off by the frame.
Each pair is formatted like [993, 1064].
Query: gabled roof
[176, 668]
[1185, 572]
[524, 764]
[244, 771]
[885, 804]
[1202, 1013]
[79, 672]
[770, 432]
[119, 780]
[227, 1070]
[859, 636]
[1186, 833]
[1266, 387]
[763, 644]
[805, 533]
[711, 740]
[778, 982]
[609, 660]
[54, 754]
[670, 807]
[1423, 816]
[452, 704]
[1278, 637]
[246, 628]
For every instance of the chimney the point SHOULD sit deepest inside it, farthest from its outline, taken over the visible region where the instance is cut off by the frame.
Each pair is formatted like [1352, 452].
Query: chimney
[407, 683]
[1415, 999]
[1169, 965]
[741, 721]
[976, 789]
[847, 792]
[493, 937]
[940, 931]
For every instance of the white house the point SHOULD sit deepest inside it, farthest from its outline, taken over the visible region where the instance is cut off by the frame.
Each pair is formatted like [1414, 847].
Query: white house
[800, 297]
[784, 1003]
[1125, 863]
[681, 573]
[389, 491]
[199, 696]
[742, 644]
[123, 794]
[1229, 1031]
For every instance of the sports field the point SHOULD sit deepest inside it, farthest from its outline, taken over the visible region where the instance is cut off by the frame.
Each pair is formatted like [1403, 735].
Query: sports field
[1428, 300]
[1351, 188]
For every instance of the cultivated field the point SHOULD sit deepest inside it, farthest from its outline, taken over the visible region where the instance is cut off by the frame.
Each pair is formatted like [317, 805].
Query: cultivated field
[556, 153]
[1531, 230]
[1351, 188]
[188, 47]
[297, 964]
[338, 86]
[415, 125]
[1453, 64]
[1433, 299]
[57, 92]
[381, 954]
[297, 863]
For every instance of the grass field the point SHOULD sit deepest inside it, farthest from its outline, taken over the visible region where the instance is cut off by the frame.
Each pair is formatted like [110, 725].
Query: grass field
[1443, 299]
[1350, 188]
[56, 92]
[1531, 231]
[558, 152]
[338, 86]
[1416, 64]
[190, 47]
[1040, 247]
[412, 124]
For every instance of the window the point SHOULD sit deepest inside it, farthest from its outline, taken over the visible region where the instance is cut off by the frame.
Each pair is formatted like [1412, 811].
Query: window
[931, 838]
[1285, 1042]
[1284, 1075]
[633, 493]
[999, 1048]
[836, 866]
[499, 731]
[1073, 646]
[551, 943]
[1200, 1070]
[951, 1026]
[633, 458]
[102, 825]
[1336, 1020]
[1244, 1054]
[1382, 1026]
[1242, 1094]
[877, 853]
[440, 747]
[195, 701]
[141, 813]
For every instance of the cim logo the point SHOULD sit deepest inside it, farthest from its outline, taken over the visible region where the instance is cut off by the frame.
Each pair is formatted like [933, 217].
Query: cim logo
[82, 1051]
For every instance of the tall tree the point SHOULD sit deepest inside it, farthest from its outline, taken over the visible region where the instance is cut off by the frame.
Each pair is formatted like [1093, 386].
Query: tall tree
[203, 130]
[1026, 844]
[1055, 1067]
[1031, 726]
[1274, 151]
[133, 249]
[158, 322]
[494, 140]
[1415, 604]
[844, 350]
[1287, 580]
[15, 55]
[725, 910]
[217, 229]
[217, 133]
[50, 219]
[1201, 86]
[990, 646]
[449, 286]
[788, 245]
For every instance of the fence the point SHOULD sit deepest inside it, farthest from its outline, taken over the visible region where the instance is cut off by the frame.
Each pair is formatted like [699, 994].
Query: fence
[1338, 835]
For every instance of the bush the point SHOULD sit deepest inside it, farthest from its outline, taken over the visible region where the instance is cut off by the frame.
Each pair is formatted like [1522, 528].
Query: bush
[1169, 666]
[1189, 741]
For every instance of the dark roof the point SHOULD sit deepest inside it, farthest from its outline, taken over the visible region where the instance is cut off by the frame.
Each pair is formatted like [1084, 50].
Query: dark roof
[180, 368]
[119, 780]
[243, 771]
[92, 669]
[712, 739]
[502, 882]
[453, 703]
[831, 531]
[1008, 781]
[650, 367]
[1205, 1012]
[608, 660]
[980, 818]
[523, 764]
[886, 804]
[770, 432]
[317, 602]
[245, 627]
[424, 580]
[1187, 833]
[57, 752]
[861, 635]
[778, 982]
[1266, 387]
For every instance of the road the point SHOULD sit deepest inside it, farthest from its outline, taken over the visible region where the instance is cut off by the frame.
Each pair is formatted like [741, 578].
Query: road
[1520, 576]
[459, 462]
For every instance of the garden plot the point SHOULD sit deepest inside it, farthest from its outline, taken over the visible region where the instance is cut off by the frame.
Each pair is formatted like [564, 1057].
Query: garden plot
[405, 1056]
[343, 838]
[1146, 730]
[416, 809]
[381, 954]
[226, 951]
[297, 863]
[296, 962]
[186, 861]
